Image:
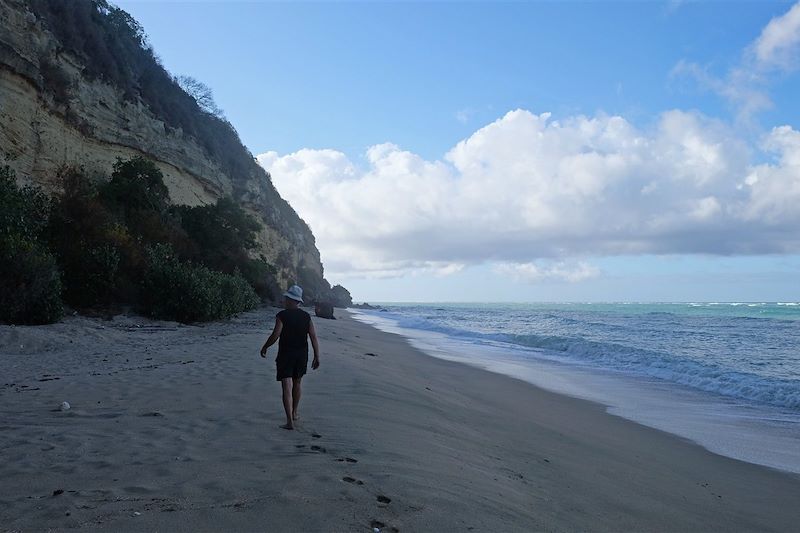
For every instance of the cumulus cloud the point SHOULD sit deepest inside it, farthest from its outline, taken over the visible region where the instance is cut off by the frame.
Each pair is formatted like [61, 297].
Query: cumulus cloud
[774, 188]
[527, 188]
[745, 85]
[533, 195]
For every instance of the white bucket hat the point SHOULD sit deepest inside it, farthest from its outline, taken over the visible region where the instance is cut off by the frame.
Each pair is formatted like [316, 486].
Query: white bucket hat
[294, 293]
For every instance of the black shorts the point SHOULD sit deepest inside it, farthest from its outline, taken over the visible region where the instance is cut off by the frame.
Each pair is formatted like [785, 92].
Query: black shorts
[292, 365]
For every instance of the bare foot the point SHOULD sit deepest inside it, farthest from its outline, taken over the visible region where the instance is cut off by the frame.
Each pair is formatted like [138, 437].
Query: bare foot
[296, 416]
[287, 426]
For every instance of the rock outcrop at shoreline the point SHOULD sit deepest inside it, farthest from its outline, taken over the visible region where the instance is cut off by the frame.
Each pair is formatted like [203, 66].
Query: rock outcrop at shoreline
[63, 105]
[324, 310]
[365, 305]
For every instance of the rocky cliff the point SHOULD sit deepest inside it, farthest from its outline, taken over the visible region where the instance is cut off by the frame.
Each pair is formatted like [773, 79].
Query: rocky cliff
[60, 106]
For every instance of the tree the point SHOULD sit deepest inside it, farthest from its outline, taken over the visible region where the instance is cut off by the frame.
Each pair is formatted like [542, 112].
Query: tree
[136, 185]
[221, 237]
[202, 95]
[223, 233]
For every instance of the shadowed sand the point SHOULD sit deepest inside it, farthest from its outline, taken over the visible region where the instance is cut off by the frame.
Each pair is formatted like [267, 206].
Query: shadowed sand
[175, 428]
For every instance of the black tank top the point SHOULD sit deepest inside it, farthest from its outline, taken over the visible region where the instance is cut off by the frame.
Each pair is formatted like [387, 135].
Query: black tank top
[294, 335]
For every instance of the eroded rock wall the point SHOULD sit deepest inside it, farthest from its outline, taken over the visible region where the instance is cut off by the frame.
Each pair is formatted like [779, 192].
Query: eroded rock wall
[94, 125]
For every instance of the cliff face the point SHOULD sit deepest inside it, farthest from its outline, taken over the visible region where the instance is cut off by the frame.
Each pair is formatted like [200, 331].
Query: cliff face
[89, 122]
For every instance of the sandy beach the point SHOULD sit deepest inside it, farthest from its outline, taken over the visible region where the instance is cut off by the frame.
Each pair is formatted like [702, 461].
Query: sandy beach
[175, 428]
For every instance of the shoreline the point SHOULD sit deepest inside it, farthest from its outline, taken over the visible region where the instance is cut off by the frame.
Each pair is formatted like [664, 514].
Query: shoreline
[761, 434]
[179, 424]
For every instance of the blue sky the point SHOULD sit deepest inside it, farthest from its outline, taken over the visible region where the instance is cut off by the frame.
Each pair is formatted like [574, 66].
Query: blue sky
[316, 86]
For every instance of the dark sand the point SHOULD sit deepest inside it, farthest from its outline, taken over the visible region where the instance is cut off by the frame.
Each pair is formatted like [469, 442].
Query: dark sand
[175, 428]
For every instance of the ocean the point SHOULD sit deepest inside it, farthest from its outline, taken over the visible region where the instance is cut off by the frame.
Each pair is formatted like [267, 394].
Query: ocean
[725, 375]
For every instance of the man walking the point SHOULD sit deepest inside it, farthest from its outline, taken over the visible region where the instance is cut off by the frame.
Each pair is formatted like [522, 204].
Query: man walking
[293, 328]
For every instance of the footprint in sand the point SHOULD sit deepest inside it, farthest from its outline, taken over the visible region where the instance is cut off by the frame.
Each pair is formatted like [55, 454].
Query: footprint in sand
[319, 449]
[371, 354]
[377, 524]
[316, 435]
[383, 499]
[346, 459]
[349, 479]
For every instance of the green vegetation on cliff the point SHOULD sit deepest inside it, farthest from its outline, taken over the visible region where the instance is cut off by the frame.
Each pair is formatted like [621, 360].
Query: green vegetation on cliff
[120, 242]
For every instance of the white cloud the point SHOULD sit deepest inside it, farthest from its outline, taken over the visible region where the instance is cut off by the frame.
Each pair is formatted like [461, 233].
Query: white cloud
[527, 187]
[779, 42]
[370, 269]
[745, 85]
[705, 208]
[742, 86]
[560, 271]
[775, 187]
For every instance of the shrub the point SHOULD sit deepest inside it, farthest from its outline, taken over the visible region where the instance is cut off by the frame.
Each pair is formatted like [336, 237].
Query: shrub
[262, 276]
[122, 243]
[30, 284]
[187, 292]
[23, 211]
[222, 233]
[101, 235]
[94, 276]
[220, 236]
[94, 250]
[136, 185]
[139, 200]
